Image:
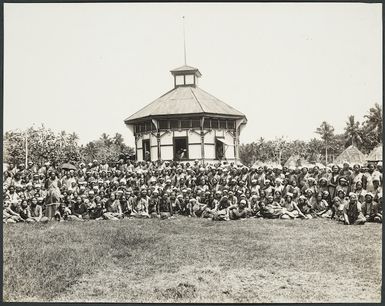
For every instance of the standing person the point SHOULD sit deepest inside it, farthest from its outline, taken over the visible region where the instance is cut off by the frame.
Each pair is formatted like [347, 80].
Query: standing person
[53, 197]
[352, 211]
[333, 181]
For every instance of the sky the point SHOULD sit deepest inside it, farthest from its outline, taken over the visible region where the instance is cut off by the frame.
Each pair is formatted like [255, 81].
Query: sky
[86, 67]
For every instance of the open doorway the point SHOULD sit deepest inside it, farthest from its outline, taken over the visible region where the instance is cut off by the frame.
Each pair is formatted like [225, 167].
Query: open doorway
[180, 148]
[219, 149]
[146, 149]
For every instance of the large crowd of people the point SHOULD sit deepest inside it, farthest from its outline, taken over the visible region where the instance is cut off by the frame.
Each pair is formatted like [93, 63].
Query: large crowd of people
[351, 194]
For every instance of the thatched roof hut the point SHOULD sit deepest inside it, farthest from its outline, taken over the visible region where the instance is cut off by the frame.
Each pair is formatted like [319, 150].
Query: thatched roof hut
[375, 154]
[351, 155]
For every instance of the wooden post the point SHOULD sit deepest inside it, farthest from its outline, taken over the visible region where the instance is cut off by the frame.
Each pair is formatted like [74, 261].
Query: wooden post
[158, 143]
[202, 142]
[26, 150]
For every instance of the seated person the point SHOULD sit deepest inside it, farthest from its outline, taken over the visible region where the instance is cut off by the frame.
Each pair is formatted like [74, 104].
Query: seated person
[272, 209]
[370, 209]
[140, 208]
[222, 210]
[321, 207]
[24, 212]
[98, 212]
[36, 211]
[290, 209]
[165, 207]
[11, 212]
[239, 211]
[352, 211]
[114, 210]
[78, 209]
[197, 208]
[305, 207]
[62, 212]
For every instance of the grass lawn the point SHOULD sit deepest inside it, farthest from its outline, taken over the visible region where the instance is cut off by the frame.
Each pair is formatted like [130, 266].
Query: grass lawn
[193, 260]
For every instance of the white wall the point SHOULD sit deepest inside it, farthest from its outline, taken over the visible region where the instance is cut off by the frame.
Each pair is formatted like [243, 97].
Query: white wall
[167, 152]
[194, 151]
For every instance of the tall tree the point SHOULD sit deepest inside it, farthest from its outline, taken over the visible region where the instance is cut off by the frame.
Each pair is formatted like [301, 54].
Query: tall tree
[373, 121]
[353, 132]
[326, 131]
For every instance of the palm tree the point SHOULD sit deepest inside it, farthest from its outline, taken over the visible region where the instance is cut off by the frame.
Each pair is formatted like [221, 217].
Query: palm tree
[73, 137]
[327, 132]
[106, 139]
[353, 131]
[373, 121]
[118, 139]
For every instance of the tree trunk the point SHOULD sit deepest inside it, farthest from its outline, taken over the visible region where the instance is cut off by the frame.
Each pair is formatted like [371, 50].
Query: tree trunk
[326, 154]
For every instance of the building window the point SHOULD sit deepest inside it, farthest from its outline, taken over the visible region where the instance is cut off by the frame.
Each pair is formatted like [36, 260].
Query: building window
[146, 149]
[196, 123]
[189, 79]
[219, 149]
[222, 124]
[231, 124]
[185, 124]
[174, 124]
[163, 124]
[180, 148]
[179, 80]
[214, 123]
[148, 126]
[206, 124]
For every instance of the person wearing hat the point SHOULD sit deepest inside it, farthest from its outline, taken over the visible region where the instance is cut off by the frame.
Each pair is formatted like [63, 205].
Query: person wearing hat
[353, 211]
[370, 209]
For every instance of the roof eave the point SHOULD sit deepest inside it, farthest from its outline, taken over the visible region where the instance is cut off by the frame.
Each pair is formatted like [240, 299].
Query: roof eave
[227, 116]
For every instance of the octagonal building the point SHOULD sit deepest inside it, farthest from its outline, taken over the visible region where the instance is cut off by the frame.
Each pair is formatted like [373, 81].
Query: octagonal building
[187, 123]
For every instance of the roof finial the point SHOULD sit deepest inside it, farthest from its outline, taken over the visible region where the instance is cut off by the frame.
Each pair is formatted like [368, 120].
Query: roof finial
[184, 41]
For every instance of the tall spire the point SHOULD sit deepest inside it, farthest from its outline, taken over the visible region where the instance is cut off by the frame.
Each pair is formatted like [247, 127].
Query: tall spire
[184, 41]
